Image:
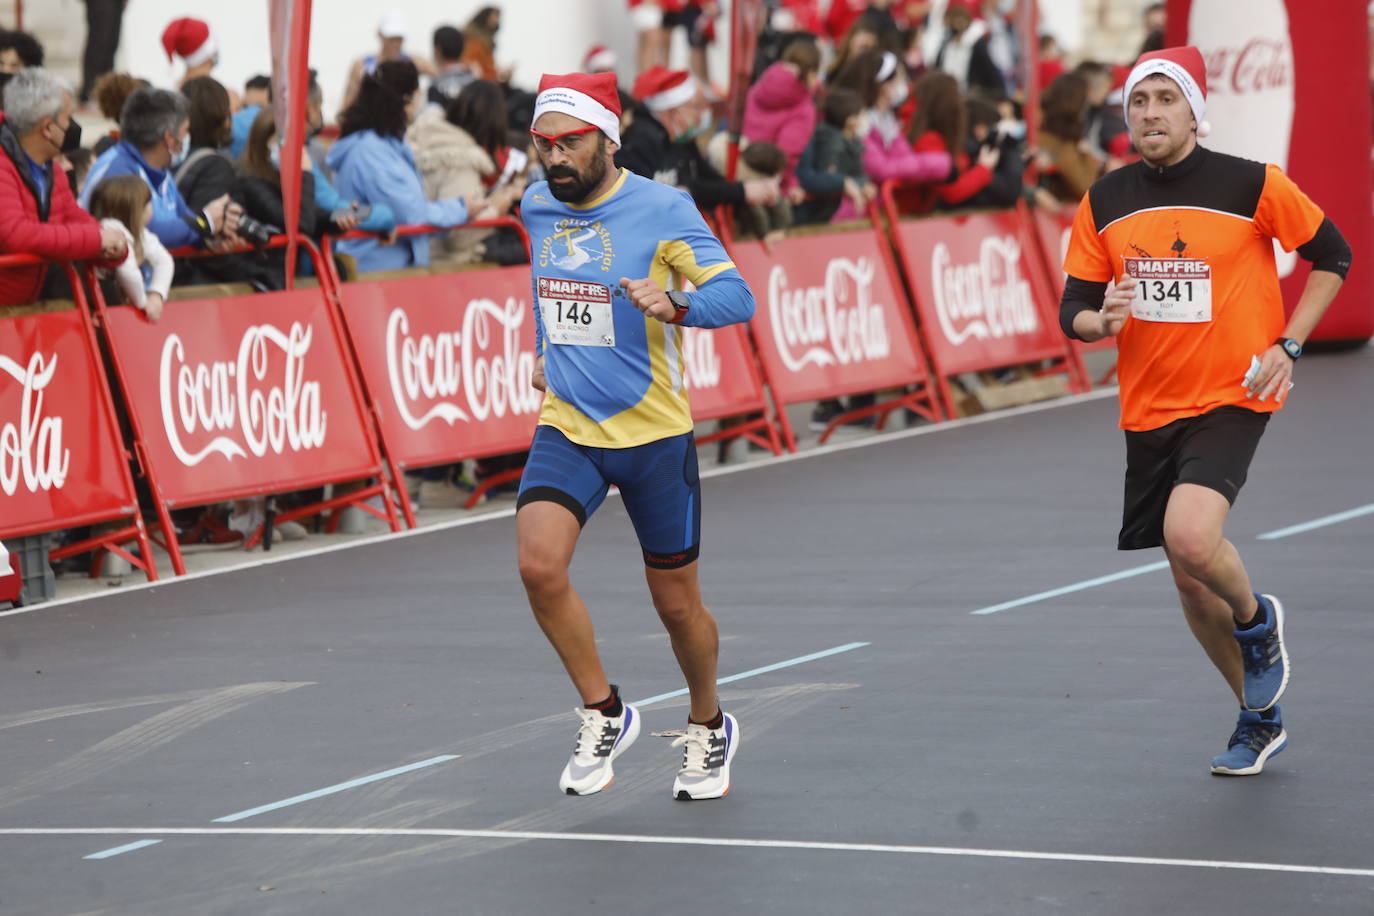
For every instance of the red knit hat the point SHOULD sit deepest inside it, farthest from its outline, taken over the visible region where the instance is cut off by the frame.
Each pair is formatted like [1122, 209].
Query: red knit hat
[189, 39]
[1185, 66]
[660, 88]
[590, 97]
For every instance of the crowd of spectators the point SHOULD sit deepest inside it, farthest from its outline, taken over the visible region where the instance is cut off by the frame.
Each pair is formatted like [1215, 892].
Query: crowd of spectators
[867, 93]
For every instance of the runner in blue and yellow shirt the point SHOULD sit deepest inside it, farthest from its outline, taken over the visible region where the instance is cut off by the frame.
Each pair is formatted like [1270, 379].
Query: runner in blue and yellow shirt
[611, 252]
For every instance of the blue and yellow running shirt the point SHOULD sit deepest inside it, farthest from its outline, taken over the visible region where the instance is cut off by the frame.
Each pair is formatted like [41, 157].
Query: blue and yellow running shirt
[614, 375]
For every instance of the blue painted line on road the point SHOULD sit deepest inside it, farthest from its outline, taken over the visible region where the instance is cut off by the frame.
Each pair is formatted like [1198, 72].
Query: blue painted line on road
[330, 790]
[127, 847]
[1318, 523]
[847, 647]
[1076, 587]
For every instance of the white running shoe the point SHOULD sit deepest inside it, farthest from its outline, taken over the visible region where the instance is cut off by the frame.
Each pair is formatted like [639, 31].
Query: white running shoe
[706, 757]
[600, 739]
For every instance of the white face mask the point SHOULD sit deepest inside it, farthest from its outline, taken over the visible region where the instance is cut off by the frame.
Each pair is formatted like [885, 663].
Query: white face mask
[898, 94]
[275, 156]
[182, 152]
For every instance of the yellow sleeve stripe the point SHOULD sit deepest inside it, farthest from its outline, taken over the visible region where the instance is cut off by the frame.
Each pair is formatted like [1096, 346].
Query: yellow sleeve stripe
[682, 260]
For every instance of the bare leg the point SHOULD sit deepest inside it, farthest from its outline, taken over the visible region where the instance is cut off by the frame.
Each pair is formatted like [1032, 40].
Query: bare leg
[1212, 583]
[546, 534]
[692, 630]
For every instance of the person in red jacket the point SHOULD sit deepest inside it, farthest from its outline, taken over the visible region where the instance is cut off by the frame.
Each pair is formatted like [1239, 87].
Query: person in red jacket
[38, 213]
[940, 126]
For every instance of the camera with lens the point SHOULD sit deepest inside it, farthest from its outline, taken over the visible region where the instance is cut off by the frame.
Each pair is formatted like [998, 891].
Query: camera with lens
[252, 231]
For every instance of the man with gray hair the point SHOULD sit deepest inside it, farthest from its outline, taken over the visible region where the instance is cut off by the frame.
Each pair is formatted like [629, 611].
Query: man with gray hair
[38, 213]
[154, 138]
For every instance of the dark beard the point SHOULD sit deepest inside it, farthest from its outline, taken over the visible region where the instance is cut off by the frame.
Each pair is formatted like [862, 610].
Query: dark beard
[581, 186]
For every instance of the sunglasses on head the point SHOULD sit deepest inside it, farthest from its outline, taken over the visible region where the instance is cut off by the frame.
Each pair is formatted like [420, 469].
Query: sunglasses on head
[567, 142]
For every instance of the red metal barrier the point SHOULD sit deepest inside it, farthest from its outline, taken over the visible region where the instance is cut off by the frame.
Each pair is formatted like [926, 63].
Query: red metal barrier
[832, 320]
[244, 396]
[62, 463]
[1052, 236]
[980, 294]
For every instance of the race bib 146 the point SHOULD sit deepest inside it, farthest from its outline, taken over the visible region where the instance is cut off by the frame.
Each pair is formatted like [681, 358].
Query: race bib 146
[576, 313]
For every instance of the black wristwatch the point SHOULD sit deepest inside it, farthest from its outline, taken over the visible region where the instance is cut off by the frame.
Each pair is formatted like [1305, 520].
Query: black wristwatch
[682, 304]
[1290, 346]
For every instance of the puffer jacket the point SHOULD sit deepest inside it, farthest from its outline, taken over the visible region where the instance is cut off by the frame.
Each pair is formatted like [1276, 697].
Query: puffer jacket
[779, 110]
[451, 164]
[52, 226]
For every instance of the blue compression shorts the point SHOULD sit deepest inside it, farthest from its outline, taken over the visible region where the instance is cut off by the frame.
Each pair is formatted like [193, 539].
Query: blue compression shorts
[658, 483]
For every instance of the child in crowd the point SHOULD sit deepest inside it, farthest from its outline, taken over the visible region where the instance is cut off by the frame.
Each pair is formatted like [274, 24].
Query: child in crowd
[145, 276]
[763, 160]
[832, 169]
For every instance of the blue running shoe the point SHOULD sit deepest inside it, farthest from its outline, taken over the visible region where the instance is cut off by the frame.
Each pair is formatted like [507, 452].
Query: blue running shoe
[1254, 741]
[1265, 658]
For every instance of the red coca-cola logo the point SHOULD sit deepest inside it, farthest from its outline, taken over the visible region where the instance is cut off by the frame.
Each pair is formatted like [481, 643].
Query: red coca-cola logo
[1259, 65]
[835, 323]
[700, 361]
[984, 299]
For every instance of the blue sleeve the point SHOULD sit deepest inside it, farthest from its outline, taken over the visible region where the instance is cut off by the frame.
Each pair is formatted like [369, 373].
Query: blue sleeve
[327, 198]
[173, 232]
[721, 297]
[397, 183]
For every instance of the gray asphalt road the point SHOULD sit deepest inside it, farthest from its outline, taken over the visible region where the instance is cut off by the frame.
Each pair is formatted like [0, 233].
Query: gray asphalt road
[923, 763]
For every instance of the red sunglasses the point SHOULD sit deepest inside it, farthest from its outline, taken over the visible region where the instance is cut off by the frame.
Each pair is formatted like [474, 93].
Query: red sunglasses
[546, 142]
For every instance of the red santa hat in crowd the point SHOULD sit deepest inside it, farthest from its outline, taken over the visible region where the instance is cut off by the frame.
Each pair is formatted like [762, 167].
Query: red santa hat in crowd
[660, 88]
[189, 39]
[590, 97]
[599, 57]
[1183, 65]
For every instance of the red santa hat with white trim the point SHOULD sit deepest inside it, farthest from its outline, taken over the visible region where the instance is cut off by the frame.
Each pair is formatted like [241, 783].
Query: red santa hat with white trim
[1185, 66]
[599, 57]
[189, 39]
[590, 97]
[660, 88]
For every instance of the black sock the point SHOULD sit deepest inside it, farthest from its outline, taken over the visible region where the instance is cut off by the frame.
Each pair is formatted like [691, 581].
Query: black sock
[716, 722]
[1260, 619]
[611, 706]
[1270, 714]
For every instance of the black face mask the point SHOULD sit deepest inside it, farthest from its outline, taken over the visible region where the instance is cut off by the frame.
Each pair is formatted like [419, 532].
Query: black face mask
[71, 140]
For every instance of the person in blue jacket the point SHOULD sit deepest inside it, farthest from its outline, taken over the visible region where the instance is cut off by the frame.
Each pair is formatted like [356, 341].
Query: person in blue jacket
[154, 131]
[373, 166]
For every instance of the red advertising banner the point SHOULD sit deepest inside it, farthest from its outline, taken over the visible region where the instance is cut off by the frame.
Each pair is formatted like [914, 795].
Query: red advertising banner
[242, 396]
[1285, 79]
[1052, 231]
[980, 298]
[720, 372]
[447, 362]
[61, 460]
[829, 320]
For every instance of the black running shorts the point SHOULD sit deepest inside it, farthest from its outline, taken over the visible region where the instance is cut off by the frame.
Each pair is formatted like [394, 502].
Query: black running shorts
[1212, 450]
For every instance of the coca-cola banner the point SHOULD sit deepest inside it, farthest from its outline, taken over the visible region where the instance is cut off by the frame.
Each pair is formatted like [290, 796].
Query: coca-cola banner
[1288, 83]
[61, 460]
[829, 320]
[720, 372]
[975, 280]
[242, 395]
[447, 361]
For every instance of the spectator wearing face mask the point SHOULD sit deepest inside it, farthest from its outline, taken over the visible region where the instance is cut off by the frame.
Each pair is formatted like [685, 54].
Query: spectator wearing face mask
[372, 165]
[154, 131]
[658, 143]
[19, 51]
[37, 212]
[880, 80]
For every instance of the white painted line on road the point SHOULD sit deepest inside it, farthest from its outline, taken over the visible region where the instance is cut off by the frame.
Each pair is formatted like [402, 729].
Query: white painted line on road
[1076, 587]
[847, 647]
[738, 843]
[1318, 523]
[127, 847]
[330, 790]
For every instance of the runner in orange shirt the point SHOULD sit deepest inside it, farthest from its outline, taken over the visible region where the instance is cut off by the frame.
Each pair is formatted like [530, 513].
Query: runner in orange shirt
[1205, 358]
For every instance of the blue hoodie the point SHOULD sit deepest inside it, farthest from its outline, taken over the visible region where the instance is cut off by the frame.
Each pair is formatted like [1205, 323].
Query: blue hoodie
[374, 170]
[170, 210]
